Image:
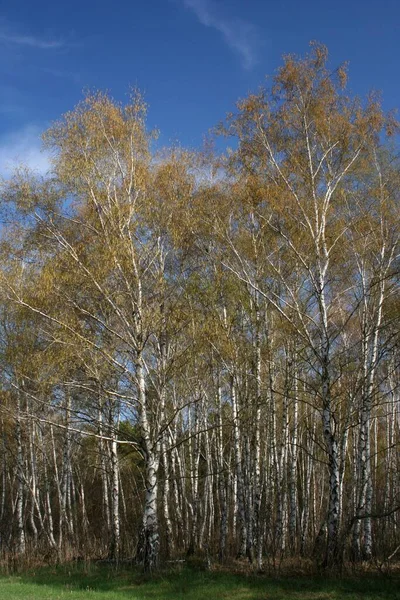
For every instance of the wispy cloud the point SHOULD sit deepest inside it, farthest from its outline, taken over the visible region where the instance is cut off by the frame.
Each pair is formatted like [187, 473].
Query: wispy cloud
[23, 147]
[30, 41]
[61, 74]
[16, 36]
[241, 36]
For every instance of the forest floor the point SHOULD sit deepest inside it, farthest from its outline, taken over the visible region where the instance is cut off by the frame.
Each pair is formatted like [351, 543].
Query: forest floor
[100, 583]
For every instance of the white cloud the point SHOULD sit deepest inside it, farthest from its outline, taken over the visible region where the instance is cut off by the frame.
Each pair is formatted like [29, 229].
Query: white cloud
[60, 74]
[15, 36]
[239, 35]
[30, 41]
[23, 147]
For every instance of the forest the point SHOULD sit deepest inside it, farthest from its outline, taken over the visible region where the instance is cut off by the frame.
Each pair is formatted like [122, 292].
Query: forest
[200, 349]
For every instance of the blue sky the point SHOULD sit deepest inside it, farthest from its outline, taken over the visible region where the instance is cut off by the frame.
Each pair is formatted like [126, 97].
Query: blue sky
[192, 58]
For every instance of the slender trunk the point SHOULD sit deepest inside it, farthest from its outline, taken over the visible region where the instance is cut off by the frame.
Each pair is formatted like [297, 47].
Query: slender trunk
[47, 499]
[3, 471]
[177, 501]
[328, 417]
[293, 466]
[239, 472]
[59, 491]
[223, 533]
[257, 438]
[194, 462]
[34, 489]
[115, 492]
[21, 541]
[150, 541]
[104, 473]
[308, 490]
[169, 539]
[64, 487]
[370, 358]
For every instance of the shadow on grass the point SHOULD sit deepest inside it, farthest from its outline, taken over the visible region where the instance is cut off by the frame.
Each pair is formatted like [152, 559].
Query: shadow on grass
[197, 585]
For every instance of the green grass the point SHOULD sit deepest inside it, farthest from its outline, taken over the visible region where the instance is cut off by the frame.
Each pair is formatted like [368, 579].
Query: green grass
[95, 583]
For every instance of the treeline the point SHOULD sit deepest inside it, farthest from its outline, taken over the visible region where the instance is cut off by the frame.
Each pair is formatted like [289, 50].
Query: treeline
[200, 353]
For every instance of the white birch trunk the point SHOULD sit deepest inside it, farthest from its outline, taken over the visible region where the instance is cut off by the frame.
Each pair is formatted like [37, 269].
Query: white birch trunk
[151, 541]
[239, 473]
[115, 491]
[104, 473]
[293, 466]
[223, 533]
[21, 540]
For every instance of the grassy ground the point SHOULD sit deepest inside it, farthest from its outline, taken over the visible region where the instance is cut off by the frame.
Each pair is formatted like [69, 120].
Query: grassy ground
[94, 583]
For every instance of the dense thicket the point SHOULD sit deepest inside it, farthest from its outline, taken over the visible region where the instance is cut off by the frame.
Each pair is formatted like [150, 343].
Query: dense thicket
[201, 353]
